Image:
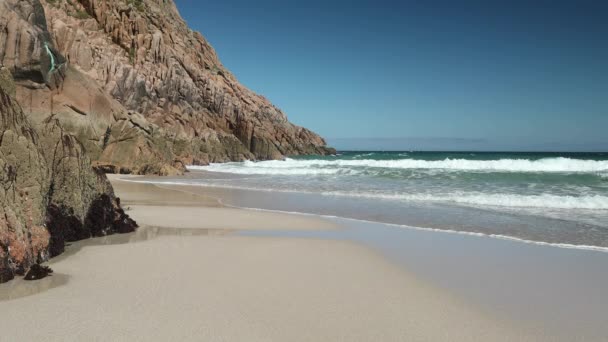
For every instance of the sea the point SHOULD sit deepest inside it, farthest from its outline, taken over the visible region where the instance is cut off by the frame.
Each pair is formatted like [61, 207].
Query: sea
[559, 199]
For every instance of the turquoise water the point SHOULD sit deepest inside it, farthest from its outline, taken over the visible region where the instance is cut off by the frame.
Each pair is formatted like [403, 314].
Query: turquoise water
[516, 180]
[558, 198]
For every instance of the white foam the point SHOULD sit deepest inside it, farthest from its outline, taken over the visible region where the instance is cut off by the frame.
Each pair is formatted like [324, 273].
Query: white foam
[246, 168]
[542, 201]
[317, 166]
[548, 201]
[438, 230]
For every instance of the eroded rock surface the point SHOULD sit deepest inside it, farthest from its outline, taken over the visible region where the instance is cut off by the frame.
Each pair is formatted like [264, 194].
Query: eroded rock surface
[143, 92]
[49, 191]
[123, 86]
[23, 186]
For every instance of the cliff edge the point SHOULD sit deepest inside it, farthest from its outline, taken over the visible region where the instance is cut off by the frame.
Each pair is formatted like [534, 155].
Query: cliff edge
[124, 86]
[143, 92]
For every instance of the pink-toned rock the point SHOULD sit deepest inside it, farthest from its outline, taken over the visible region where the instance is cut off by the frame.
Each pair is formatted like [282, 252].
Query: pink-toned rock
[127, 85]
[138, 87]
[49, 192]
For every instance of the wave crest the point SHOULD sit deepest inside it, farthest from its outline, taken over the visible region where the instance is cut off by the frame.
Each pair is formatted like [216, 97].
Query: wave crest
[546, 201]
[319, 166]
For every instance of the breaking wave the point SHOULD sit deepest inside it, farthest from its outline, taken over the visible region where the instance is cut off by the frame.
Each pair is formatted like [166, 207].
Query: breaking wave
[320, 167]
[548, 201]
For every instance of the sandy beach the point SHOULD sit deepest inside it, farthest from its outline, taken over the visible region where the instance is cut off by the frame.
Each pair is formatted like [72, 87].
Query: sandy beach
[363, 171]
[168, 282]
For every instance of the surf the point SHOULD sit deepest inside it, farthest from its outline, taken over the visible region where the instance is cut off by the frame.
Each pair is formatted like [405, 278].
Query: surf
[324, 166]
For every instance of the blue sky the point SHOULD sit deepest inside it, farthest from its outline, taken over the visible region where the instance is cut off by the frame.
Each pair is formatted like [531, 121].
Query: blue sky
[459, 74]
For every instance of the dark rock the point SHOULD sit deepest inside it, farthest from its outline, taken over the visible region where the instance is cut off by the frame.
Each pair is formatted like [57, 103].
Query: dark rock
[20, 270]
[63, 226]
[38, 271]
[105, 217]
[100, 216]
[5, 275]
[123, 223]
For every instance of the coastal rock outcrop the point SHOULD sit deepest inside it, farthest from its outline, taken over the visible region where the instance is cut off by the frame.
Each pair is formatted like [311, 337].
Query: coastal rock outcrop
[89, 87]
[37, 272]
[143, 92]
[23, 187]
[49, 191]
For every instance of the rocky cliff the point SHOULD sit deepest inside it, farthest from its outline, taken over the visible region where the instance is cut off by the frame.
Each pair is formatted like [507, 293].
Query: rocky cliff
[24, 181]
[49, 192]
[141, 91]
[94, 86]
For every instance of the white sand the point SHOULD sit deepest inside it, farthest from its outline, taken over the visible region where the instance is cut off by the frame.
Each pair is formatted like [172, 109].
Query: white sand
[223, 218]
[234, 288]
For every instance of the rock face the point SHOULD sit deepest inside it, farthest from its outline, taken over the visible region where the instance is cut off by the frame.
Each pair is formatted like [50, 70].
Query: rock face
[24, 183]
[143, 92]
[49, 191]
[94, 86]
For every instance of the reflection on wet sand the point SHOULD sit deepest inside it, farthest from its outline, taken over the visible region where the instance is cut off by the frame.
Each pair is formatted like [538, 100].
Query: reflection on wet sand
[142, 234]
[19, 288]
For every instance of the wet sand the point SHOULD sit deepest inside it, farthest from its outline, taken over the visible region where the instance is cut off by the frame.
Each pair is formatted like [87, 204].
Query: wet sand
[190, 273]
[550, 290]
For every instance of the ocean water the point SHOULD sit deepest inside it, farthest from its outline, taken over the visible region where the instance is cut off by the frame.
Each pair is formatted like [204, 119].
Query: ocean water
[557, 198]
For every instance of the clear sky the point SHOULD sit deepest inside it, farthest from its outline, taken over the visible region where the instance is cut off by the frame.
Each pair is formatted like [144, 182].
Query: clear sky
[444, 74]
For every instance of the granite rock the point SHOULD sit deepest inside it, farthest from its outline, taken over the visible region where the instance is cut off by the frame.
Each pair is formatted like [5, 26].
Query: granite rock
[49, 191]
[141, 90]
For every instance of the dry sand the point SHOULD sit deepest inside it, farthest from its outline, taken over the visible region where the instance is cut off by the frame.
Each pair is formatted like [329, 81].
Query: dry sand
[215, 287]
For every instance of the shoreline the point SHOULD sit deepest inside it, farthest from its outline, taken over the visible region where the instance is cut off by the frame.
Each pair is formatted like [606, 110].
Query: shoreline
[184, 186]
[230, 286]
[217, 214]
[526, 283]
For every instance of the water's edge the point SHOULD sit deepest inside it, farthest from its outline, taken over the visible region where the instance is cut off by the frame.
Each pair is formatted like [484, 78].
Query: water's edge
[221, 200]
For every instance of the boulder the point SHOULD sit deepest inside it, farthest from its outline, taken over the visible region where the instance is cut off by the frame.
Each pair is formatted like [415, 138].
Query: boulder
[37, 272]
